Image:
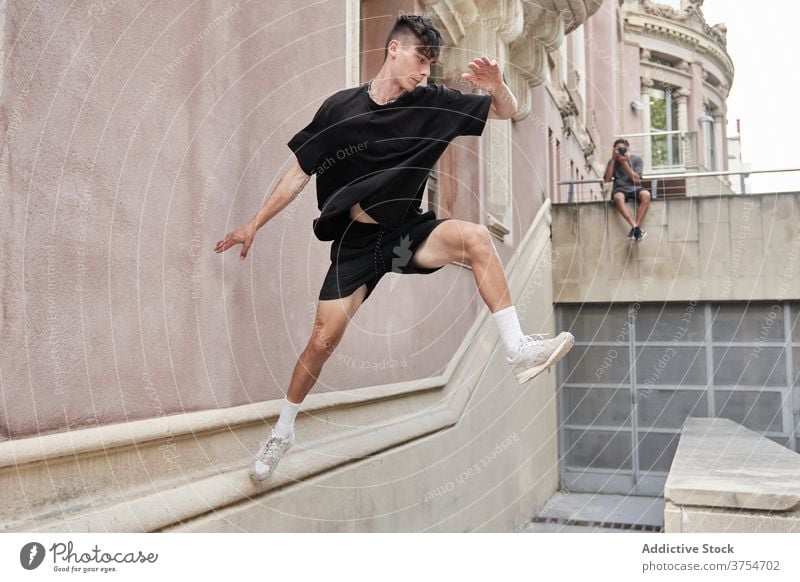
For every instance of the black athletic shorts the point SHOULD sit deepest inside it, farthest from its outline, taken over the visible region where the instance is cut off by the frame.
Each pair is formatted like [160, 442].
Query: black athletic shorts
[367, 251]
[632, 195]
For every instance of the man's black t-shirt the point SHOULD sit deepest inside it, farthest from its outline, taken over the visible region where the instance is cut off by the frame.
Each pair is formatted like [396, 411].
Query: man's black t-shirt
[380, 155]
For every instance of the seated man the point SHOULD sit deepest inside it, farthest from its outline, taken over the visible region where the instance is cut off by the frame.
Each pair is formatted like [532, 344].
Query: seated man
[626, 172]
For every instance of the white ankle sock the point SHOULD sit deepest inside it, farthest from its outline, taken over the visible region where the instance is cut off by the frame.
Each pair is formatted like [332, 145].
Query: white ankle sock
[510, 330]
[286, 421]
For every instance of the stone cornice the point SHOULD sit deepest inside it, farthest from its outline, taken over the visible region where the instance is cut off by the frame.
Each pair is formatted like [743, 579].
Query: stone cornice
[640, 23]
[691, 15]
[519, 34]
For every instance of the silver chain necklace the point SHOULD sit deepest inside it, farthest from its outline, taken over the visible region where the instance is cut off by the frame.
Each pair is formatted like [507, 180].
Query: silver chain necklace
[369, 90]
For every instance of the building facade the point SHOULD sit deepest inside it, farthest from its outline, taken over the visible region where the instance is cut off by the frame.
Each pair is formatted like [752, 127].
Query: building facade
[136, 361]
[140, 369]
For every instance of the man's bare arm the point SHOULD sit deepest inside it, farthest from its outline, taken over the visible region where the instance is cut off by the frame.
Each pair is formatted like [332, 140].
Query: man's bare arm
[626, 165]
[486, 74]
[504, 104]
[624, 161]
[609, 175]
[289, 186]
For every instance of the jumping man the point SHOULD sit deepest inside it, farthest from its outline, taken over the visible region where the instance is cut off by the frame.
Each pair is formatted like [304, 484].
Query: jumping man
[372, 148]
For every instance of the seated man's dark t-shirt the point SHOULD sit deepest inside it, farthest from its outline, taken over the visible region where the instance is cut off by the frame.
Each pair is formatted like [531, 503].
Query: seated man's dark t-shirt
[622, 181]
[380, 155]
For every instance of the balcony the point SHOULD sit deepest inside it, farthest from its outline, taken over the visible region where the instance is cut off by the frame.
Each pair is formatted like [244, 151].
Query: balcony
[667, 182]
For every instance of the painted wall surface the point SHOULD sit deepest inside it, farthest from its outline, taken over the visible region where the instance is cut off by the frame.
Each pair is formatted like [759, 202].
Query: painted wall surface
[135, 138]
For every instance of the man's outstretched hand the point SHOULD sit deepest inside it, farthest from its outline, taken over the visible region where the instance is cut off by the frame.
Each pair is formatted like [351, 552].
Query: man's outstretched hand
[243, 235]
[486, 74]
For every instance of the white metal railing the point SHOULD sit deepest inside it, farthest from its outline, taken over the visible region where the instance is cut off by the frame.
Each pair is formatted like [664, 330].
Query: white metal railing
[654, 178]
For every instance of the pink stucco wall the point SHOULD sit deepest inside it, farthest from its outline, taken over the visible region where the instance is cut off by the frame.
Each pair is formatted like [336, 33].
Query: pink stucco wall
[631, 91]
[602, 72]
[135, 136]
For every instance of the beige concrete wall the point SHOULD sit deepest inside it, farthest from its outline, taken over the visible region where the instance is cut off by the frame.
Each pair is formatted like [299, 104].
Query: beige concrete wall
[715, 248]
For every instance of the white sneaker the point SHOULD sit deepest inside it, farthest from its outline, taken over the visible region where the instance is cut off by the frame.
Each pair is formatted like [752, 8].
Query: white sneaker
[536, 354]
[268, 456]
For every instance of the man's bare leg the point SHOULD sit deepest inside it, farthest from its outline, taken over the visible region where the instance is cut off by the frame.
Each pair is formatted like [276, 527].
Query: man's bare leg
[459, 240]
[330, 323]
[619, 202]
[644, 204]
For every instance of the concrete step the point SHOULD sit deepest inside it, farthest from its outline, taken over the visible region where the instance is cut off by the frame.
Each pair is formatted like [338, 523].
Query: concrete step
[535, 527]
[591, 512]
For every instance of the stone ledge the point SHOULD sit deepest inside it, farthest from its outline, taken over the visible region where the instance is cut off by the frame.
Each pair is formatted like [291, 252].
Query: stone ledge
[721, 464]
[697, 519]
[117, 478]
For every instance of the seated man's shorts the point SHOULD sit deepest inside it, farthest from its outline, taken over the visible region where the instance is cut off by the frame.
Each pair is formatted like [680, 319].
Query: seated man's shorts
[629, 195]
[366, 252]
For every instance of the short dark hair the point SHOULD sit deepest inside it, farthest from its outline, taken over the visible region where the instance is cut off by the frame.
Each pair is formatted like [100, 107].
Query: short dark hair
[428, 36]
[622, 140]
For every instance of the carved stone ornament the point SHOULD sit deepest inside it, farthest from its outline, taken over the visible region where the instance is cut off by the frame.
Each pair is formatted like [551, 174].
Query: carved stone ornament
[519, 34]
[691, 15]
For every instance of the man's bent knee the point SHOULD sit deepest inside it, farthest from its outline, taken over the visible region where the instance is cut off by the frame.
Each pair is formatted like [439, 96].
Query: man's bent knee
[331, 321]
[323, 342]
[479, 240]
[644, 196]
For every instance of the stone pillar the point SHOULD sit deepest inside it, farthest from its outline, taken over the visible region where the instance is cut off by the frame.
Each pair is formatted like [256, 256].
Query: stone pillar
[695, 110]
[682, 101]
[724, 150]
[647, 142]
[352, 43]
[719, 149]
[579, 60]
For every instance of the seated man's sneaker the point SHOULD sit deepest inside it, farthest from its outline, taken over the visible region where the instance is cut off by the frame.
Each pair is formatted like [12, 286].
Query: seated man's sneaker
[536, 354]
[268, 456]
